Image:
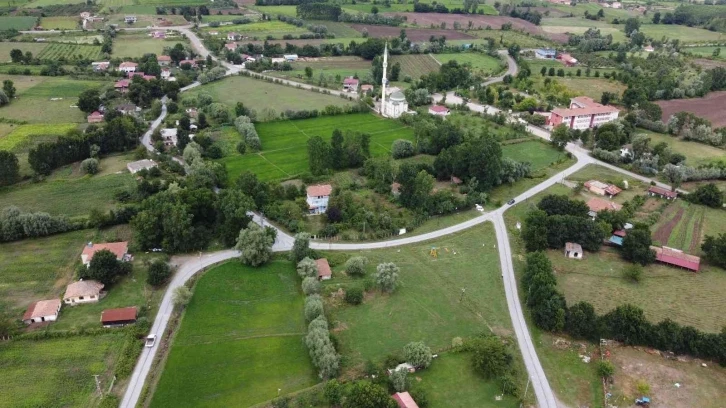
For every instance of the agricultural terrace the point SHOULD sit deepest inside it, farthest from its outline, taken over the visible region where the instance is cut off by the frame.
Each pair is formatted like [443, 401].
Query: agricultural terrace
[708, 52]
[683, 33]
[481, 63]
[429, 305]
[58, 51]
[332, 68]
[259, 29]
[415, 65]
[260, 95]
[60, 23]
[284, 143]
[137, 45]
[17, 22]
[57, 372]
[248, 324]
[42, 99]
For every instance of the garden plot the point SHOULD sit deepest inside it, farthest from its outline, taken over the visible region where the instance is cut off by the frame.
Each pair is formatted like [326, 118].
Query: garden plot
[57, 51]
[416, 66]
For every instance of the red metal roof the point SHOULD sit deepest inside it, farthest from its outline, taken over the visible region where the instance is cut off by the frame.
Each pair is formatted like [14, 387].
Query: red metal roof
[662, 191]
[118, 315]
[404, 400]
[350, 81]
[438, 108]
[678, 258]
[117, 248]
[620, 233]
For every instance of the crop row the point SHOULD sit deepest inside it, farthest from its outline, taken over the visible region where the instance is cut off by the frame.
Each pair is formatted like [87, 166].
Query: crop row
[70, 51]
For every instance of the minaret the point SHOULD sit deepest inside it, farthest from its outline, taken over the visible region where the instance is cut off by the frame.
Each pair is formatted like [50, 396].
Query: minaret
[384, 80]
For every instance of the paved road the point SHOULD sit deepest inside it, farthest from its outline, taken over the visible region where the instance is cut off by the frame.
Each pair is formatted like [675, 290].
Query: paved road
[512, 69]
[146, 138]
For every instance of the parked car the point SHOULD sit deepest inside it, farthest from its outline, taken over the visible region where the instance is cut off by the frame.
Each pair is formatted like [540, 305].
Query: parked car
[510, 202]
[150, 340]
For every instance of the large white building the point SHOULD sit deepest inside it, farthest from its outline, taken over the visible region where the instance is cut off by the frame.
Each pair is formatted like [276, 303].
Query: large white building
[583, 113]
[395, 105]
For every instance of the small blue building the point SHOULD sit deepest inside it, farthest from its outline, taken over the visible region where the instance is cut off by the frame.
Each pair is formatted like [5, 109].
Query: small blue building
[545, 53]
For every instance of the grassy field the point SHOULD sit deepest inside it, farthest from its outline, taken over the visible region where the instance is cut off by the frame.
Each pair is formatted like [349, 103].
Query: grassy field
[333, 68]
[416, 65]
[593, 8]
[592, 87]
[538, 154]
[481, 63]
[707, 52]
[259, 95]
[70, 51]
[696, 154]
[239, 340]
[396, 7]
[428, 306]
[134, 46]
[260, 29]
[452, 382]
[34, 94]
[72, 196]
[617, 33]
[44, 3]
[683, 33]
[284, 143]
[17, 22]
[6, 47]
[57, 372]
[24, 136]
[506, 38]
[276, 10]
[60, 23]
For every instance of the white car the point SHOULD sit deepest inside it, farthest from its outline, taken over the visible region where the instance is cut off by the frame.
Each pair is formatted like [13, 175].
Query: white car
[150, 340]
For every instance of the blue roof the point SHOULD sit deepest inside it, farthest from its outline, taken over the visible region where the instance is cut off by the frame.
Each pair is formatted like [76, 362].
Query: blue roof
[545, 51]
[616, 240]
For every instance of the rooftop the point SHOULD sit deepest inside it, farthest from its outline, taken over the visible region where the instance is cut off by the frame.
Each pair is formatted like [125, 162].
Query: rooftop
[117, 248]
[323, 268]
[118, 315]
[350, 81]
[42, 308]
[319, 190]
[141, 164]
[598, 204]
[83, 288]
[662, 191]
[438, 108]
[675, 257]
[573, 247]
[404, 400]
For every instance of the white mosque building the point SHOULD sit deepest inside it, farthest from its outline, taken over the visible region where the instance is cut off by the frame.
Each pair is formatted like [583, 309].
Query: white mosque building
[395, 105]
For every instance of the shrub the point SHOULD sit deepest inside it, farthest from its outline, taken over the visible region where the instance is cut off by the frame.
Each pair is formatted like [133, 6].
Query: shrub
[356, 266]
[633, 273]
[159, 272]
[182, 296]
[491, 358]
[307, 268]
[313, 307]
[402, 148]
[90, 166]
[417, 354]
[605, 368]
[398, 379]
[354, 295]
[310, 286]
[387, 276]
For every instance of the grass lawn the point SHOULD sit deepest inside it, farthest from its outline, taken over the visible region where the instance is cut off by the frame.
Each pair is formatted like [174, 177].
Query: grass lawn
[284, 143]
[60, 23]
[707, 52]
[57, 372]
[260, 28]
[6, 47]
[452, 382]
[17, 22]
[34, 94]
[506, 38]
[276, 10]
[133, 46]
[333, 68]
[683, 33]
[72, 196]
[22, 137]
[416, 65]
[697, 154]
[538, 154]
[44, 3]
[240, 340]
[592, 87]
[428, 306]
[479, 62]
[617, 33]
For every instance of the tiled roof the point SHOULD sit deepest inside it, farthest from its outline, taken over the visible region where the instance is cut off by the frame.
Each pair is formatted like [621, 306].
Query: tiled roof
[404, 400]
[438, 108]
[323, 268]
[117, 248]
[42, 308]
[319, 190]
[83, 288]
[662, 191]
[118, 315]
[598, 204]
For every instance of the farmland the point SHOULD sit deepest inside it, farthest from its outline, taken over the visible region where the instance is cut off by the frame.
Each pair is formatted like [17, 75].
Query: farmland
[134, 46]
[277, 10]
[6, 47]
[57, 372]
[413, 34]
[24, 136]
[60, 23]
[332, 68]
[709, 107]
[351, 7]
[507, 38]
[481, 63]
[707, 52]
[17, 22]
[247, 323]
[284, 153]
[58, 51]
[415, 65]
[592, 87]
[683, 33]
[260, 29]
[697, 154]
[257, 93]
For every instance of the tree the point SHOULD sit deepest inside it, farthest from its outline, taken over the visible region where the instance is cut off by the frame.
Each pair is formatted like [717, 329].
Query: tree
[399, 380]
[233, 207]
[707, 194]
[417, 354]
[310, 286]
[9, 168]
[307, 268]
[402, 148]
[490, 357]
[656, 17]
[387, 276]
[301, 247]
[159, 272]
[674, 174]
[16, 55]
[89, 100]
[90, 166]
[364, 394]
[356, 266]
[308, 72]
[313, 307]
[636, 246]
[181, 297]
[333, 392]
[105, 268]
[354, 295]
[715, 249]
[581, 321]
[560, 136]
[9, 88]
[631, 25]
[543, 71]
[255, 245]
[633, 273]
[318, 155]
[627, 323]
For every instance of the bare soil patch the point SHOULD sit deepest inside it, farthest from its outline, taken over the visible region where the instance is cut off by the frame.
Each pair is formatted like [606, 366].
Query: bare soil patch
[414, 34]
[479, 22]
[710, 107]
[709, 64]
[664, 232]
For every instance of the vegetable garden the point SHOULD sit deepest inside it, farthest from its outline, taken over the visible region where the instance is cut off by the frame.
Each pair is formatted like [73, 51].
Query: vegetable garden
[70, 51]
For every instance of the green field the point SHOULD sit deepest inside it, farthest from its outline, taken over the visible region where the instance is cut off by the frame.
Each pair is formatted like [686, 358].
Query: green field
[593, 8]
[17, 22]
[72, 196]
[135, 46]
[398, 7]
[697, 154]
[683, 33]
[284, 143]
[707, 52]
[615, 31]
[240, 340]
[33, 99]
[70, 51]
[428, 306]
[258, 95]
[229, 17]
[60, 23]
[6, 47]
[538, 154]
[416, 65]
[261, 28]
[592, 87]
[481, 63]
[506, 38]
[57, 372]
[24, 136]
[276, 10]
[333, 68]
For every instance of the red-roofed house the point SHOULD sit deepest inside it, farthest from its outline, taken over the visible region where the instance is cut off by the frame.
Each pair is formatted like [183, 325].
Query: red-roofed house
[567, 59]
[598, 204]
[662, 193]
[675, 257]
[404, 400]
[598, 187]
[231, 46]
[192, 63]
[118, 317]
[128, 66]
[350, 84]
[159, 34]
[42, 311]
[439, 110]
[83, 291]
[122, 85]
[317, 198]
[583, 113]
[324, 272]
[120, 249]
[163, 60]
[95, 117]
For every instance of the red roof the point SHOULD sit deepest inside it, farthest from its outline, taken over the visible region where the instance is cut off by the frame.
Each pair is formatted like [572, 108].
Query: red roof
[117, 248]
[118, 315]
[678, 258]
[149, 77]
[319, 190]
[613, 190]
[404, 400]
[231, 46]
[598, 204]
[187, 61]
[128, 64]
[350, 81]
[438, 108]
[620, 233]
[163, 58]
[663, 192]
[96, 114]
[590, 110]
[124, 83]
[323, 268]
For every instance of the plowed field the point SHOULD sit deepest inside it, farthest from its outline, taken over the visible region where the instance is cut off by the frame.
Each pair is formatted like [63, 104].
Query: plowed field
[710, 107]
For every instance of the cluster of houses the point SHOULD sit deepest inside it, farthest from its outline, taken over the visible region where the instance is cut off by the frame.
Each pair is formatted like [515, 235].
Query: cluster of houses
[583, 113]
[666, 255]
[85, 291]
[124, 109]
[552, 54]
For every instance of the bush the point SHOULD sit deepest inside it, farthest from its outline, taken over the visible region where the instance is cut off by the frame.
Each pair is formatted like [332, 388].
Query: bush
[402, 148]
[356, 266]
[417, 354]
[605, 368]
[387, 276]
[90, 166]
[354, 295]
[399, 380]
[182, 296]
[159, 272]
[307, 268]
[310, 286]
[313, 307]
[633, 273]
[491, 358]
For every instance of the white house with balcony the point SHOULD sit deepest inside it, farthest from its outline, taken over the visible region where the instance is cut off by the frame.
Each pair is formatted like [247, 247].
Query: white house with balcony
[318, 197]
